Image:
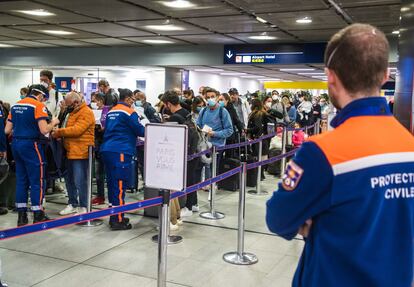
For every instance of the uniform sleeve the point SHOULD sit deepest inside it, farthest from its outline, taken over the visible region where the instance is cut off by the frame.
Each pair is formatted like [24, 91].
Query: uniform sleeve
[303, 193]
[227, 126]
[41, 112]
[135, 125]
[3, 142]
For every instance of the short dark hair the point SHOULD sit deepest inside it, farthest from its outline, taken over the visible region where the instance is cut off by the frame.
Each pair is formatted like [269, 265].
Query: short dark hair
[171, 97]
[25, 90]
[226, 97]
[233, 91]
[99, 97]
[125, 93]
[358, 54]
[137, 91]
[210, 90]
[188, 92]
[104, 83]
[197, 100]
[47, 73]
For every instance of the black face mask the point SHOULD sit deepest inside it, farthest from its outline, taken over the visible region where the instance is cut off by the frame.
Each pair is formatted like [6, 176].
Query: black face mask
[70, 109]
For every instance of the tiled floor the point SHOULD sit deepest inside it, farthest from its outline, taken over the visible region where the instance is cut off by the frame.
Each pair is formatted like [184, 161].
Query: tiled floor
[79, 256]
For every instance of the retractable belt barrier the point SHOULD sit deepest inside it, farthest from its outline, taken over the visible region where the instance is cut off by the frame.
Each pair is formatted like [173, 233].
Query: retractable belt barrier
[90, 216]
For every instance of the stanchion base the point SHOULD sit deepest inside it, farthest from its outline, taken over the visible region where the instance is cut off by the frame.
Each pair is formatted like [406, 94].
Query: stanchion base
[237, 259]
[212, 215]
[171, 239]
[91, 223]
[254, 192]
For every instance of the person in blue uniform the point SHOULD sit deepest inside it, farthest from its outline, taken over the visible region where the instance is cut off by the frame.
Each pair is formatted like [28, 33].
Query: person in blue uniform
[117, 150]
[27, 121]
[350, 191]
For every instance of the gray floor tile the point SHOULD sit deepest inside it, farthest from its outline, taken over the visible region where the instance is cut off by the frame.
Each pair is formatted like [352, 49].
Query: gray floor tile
[28, 269]
[87, 276]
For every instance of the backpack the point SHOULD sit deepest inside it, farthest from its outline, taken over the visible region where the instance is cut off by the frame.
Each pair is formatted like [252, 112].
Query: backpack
[197, 141]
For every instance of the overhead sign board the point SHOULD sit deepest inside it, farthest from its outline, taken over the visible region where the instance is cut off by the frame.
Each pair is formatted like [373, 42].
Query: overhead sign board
[63, 84]
[165, 156]
[274, 54]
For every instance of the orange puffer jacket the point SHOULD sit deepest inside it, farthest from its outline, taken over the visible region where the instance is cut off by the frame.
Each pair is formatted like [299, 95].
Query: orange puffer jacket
[79, 132]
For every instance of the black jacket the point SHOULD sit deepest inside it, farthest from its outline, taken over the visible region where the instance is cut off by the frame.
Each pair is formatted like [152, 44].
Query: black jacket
[237, 124]
[111, 98]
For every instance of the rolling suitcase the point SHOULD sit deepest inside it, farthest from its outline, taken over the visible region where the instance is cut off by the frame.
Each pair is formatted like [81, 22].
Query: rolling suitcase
[251, 180]
[151, 193]
[231, 183]
[274, 167]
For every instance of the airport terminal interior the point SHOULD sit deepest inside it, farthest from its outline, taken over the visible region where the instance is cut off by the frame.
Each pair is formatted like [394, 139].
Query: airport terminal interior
[260, 48]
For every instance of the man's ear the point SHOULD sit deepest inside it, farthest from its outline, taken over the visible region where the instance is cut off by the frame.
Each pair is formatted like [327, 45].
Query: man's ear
[386, 76]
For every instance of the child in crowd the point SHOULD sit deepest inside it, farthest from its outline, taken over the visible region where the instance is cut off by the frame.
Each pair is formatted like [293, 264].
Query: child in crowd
[298, 136]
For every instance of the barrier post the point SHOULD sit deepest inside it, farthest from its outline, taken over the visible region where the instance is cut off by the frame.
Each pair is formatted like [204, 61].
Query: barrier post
[164, 223]
[318, 125]
[240, 257]
[283, 161]
[96, 222]
[212, 214]
[171, 239]
[258, 190]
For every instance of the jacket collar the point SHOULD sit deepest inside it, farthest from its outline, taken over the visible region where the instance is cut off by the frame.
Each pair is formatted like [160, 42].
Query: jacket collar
[125, 104]
[79, 108]
[371, 106]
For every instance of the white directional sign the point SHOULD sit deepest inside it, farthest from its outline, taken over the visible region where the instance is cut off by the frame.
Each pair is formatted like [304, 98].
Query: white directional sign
[229, 54]
[165, 156]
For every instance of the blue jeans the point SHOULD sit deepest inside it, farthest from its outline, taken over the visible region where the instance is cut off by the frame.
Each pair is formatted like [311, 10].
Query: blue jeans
[76, 182]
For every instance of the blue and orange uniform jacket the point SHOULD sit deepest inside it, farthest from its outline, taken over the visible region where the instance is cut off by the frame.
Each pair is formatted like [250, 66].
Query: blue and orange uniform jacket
[357, 185]
[25, 116]
[3, 140]
[121, 130]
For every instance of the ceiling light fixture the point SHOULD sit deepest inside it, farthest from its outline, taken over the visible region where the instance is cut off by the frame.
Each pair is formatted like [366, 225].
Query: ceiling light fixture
[268, 80]
[179, 4]
[5, 45]
[312, 74]
[167, 27]
[155, 41]
[262, 37]
[232, 74]
[405, 9]
[296, 69]
[251, 77]
[208, 70]
[396, 32]
[37, 12]
[261, 20]
[305, 20]
[58, 32]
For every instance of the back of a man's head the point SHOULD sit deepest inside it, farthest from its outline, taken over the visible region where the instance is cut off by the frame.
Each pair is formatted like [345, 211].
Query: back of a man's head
[171, 97]
[358, 54]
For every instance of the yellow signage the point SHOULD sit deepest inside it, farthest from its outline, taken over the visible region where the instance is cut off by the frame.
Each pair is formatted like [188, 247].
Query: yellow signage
[296, 85]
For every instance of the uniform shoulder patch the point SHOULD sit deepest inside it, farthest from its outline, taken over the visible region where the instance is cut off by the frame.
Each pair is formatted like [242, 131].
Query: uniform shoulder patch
[292, 176]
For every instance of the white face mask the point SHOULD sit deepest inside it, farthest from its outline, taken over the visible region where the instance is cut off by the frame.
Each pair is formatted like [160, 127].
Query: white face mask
[94, 106]
[275, 98]
[268, 105]
[44, 84]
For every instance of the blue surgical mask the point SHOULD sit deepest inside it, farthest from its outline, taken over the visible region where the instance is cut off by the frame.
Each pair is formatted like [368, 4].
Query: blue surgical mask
[199, 109]
[221, 103]
[138, 103]
[211, 102]
[22, 96]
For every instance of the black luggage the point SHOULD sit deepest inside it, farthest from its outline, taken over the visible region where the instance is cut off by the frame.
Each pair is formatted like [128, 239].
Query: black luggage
[148, 194]
[274, 167]
[251, 180]
[231, 183]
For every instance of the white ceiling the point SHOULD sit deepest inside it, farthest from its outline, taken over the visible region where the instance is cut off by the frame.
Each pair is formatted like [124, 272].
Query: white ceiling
[123, 22]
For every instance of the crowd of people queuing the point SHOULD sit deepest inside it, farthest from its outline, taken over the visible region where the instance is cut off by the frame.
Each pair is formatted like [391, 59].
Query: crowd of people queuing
[47, 137]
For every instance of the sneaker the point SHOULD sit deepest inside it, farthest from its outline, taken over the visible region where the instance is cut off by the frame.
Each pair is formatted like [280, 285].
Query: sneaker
[185, 212]
[59, 187]
[22, 218]
[2, 284]
[174, 227]
[69, 209]
[40, 216]
[98, 200]
[120, 225]
[180, 222]
[195, 208]
[81, 210]
[3, 211]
